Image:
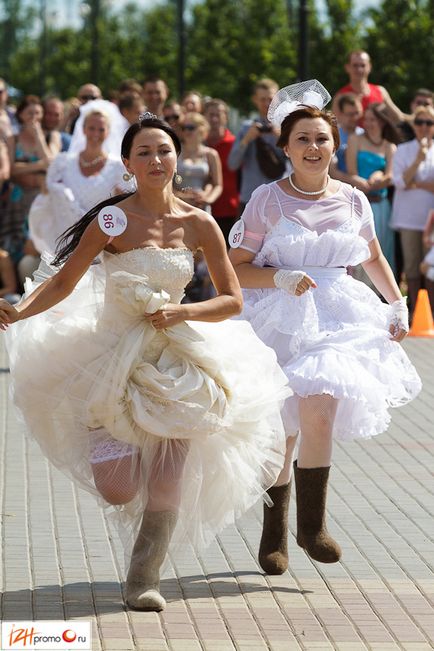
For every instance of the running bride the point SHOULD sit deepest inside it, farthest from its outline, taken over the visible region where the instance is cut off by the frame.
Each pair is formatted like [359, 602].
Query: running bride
[335, 340]
[170, 417]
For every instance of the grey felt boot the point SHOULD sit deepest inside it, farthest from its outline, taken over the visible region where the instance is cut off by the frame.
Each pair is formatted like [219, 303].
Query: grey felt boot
[149, 552]
[273, 549]
[312, 534]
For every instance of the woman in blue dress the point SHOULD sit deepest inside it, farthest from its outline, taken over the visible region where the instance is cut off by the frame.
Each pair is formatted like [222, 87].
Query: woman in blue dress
[369, 161]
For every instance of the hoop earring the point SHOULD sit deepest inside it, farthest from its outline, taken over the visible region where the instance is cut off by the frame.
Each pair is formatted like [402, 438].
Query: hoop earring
[127, 176]
[177, 178]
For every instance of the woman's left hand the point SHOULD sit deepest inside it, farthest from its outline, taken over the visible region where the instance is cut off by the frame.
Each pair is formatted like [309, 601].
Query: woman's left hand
[169, 315]
[399, 321]
[398, 334]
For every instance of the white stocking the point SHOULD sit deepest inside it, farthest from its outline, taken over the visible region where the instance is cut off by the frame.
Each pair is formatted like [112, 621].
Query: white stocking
[165, 475]
[115, 467]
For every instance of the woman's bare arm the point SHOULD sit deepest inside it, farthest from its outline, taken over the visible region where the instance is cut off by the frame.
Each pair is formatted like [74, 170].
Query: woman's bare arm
[379, 271]
[249, 275]
[59, 286]
[213, 190]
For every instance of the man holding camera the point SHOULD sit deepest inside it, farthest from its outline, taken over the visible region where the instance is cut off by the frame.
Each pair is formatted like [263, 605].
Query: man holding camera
[254, 150]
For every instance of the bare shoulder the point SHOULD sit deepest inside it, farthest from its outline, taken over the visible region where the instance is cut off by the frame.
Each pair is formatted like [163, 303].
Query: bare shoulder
[354, 138]
[211, 153]
[204, 225]
[93, 235]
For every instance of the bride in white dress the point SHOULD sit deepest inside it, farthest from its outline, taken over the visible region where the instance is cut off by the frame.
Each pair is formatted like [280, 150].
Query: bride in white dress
[169, 416]
[334, 338]
[77, 181]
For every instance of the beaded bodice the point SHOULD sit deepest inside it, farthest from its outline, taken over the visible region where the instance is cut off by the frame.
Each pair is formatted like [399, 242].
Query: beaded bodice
[168, 270]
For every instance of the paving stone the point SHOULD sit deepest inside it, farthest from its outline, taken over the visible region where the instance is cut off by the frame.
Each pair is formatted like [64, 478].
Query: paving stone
[62, 557]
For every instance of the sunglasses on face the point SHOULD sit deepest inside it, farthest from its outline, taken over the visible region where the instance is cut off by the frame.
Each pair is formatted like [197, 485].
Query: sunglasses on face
[87, 98]
[174, 116]
[418, 122]
[189, 127]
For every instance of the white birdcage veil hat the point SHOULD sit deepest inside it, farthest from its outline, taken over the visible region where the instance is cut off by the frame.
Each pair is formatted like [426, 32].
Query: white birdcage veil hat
[293, 97]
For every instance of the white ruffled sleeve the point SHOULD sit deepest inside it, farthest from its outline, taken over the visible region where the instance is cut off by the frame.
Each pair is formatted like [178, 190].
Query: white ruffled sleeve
[364, 213]
[254, 219]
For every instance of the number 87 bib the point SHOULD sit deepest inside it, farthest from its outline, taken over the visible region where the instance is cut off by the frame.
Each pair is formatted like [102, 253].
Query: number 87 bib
[236, 234]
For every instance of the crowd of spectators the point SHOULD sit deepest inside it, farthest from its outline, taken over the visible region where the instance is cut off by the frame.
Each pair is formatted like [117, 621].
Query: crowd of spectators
[59, 156]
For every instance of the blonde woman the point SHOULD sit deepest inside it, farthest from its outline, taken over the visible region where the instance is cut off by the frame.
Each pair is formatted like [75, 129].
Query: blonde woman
[198, 165]
[76, 182]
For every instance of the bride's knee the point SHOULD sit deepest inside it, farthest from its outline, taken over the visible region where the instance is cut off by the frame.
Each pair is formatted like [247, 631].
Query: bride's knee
[116, 483]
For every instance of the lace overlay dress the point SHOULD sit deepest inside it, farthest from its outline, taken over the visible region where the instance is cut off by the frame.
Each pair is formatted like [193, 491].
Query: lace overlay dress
[334, 338]
[210, 392]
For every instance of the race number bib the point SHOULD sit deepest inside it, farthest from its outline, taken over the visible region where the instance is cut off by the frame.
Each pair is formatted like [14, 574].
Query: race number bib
[112, 220]
[236, 234]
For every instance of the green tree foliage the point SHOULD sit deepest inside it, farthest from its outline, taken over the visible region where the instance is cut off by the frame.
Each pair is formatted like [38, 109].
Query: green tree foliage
[229, 46]
[400, 41]
[250, 39]
[15, 22]
[335, 36]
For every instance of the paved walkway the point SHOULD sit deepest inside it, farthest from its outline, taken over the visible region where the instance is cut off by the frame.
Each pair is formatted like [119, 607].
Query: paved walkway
[61, 559]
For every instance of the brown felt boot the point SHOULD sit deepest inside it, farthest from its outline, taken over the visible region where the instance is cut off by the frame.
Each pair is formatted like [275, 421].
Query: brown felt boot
[273, 549]
[312, 534]
[149, 552]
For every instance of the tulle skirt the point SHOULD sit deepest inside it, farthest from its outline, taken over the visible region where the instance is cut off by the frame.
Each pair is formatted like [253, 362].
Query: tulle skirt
[186, 419]
[334, 340]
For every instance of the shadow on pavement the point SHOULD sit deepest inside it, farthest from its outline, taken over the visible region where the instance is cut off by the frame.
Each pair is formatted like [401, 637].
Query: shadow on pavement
[83, 599]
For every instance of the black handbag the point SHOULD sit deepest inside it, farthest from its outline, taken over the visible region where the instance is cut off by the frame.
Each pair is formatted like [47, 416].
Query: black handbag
[269, 162]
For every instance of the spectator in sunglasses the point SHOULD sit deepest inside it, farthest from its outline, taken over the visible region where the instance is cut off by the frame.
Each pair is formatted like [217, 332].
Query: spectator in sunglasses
[413, 177]
[422, 97]
[198, 165]
[173, 114]
[86, 93]
[202, 183]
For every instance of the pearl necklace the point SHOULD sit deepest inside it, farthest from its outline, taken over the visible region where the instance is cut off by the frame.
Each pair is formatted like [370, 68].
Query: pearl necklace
[90, 163]
[291, 183]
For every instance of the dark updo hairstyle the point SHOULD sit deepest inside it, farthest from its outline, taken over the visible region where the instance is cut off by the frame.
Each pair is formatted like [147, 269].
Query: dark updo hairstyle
[309, 112]
[68, 241]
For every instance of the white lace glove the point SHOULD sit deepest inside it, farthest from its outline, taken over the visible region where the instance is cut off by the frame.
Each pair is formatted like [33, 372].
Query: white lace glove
[293, 282]
[399, 317]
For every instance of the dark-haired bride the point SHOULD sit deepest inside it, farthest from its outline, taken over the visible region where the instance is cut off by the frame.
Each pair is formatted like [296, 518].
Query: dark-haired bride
[166, 414]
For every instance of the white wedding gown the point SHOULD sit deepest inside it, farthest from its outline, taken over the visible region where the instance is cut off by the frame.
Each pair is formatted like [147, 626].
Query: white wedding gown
[333, 339]
[93, 362]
